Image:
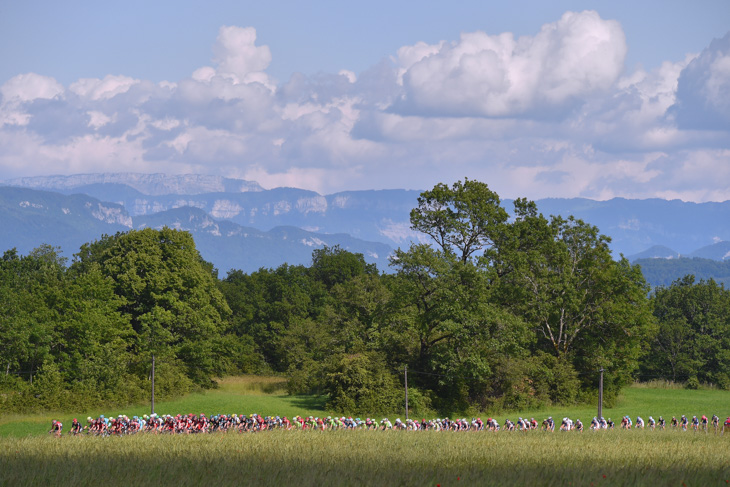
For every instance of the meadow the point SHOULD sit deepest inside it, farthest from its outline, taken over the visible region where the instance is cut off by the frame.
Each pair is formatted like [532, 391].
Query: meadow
[371, 458]
[28, 456]
[267, 396]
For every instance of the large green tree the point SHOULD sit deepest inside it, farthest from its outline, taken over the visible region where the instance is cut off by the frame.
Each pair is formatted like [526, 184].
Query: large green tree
[463, 220]
[557, 275]
[61, 331]
[265, 305]
[587, 309]
[29, 288]
[169, 295]
[448, 332]
[693, 340]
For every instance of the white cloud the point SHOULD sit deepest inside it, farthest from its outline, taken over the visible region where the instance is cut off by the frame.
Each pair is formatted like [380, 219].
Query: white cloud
[102, 89]
[237, 55]
[552, 114]
[295, 177]
[703, 92]
[98, 119]
[351, 77]
[410, 55]
[202, 145]
[21, 89]
[166, 124]
[204, 74]
[30, 86]
[500, 76]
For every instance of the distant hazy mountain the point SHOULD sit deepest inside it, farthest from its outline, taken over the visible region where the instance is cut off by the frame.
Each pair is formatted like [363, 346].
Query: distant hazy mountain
[665, 228]
[151, 184]
[636, 225]
[231, 246]
[656, 252]
[29, 218]
[662, 272]
[716, 251]
[379, 216]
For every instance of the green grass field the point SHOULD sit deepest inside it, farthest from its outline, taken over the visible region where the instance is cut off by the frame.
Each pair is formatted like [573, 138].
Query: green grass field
[267, 396]
[28, 456]
[246, 394]
[371, 458]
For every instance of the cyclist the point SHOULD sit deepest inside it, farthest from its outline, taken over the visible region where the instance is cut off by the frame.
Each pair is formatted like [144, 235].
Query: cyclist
[56, 428]
[76, 427]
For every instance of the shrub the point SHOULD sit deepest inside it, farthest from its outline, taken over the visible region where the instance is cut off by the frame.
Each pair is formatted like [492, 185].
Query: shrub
[361, 383]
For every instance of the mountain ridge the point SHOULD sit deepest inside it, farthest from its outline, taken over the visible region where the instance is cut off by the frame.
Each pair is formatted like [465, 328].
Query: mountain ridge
[32, 217]
[637, 227]
[147, 183]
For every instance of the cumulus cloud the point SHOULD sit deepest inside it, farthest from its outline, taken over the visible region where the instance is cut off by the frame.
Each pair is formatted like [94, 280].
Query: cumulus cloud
[503, 76]
[239, 57]
[551, 114]
[98, 119]
[102, 89]
[703, 93]
[30, 86]
[24, 88]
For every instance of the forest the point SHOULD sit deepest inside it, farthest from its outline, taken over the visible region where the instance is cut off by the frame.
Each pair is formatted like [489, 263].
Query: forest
[663, 272]
[494, 311]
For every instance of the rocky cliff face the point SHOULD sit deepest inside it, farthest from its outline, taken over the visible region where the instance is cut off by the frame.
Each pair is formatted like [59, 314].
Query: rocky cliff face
[29, 218]
[109, 214]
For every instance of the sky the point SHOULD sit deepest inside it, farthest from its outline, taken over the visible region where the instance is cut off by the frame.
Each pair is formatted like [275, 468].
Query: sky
[538, 99]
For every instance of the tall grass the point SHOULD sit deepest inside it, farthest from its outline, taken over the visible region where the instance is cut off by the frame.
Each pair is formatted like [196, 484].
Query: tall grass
[253, 384]
[28, 456]
[669, 384]
[371, 458]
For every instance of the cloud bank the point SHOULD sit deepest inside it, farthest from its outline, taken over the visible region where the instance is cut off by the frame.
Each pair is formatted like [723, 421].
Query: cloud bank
[553, 114]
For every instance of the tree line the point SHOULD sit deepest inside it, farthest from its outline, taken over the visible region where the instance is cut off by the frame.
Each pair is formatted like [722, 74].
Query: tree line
[663, 272]
[492, 311]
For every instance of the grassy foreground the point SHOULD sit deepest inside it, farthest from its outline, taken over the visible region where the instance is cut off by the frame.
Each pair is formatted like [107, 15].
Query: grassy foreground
[371, 458]
[28, 456]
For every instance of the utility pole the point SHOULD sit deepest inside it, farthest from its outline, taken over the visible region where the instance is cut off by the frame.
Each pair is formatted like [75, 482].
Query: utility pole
[153, 384]
[600, 394]
[406, 376]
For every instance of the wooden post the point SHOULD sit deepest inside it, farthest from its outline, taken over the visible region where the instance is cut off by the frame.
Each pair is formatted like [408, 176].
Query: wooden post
[406, 375]
[600, 395]
[153, 384]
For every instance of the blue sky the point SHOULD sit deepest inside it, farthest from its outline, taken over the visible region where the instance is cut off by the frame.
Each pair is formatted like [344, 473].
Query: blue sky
[595, 99]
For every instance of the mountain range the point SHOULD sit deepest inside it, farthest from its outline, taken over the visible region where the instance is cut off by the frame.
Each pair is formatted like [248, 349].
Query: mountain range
[237, 224]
